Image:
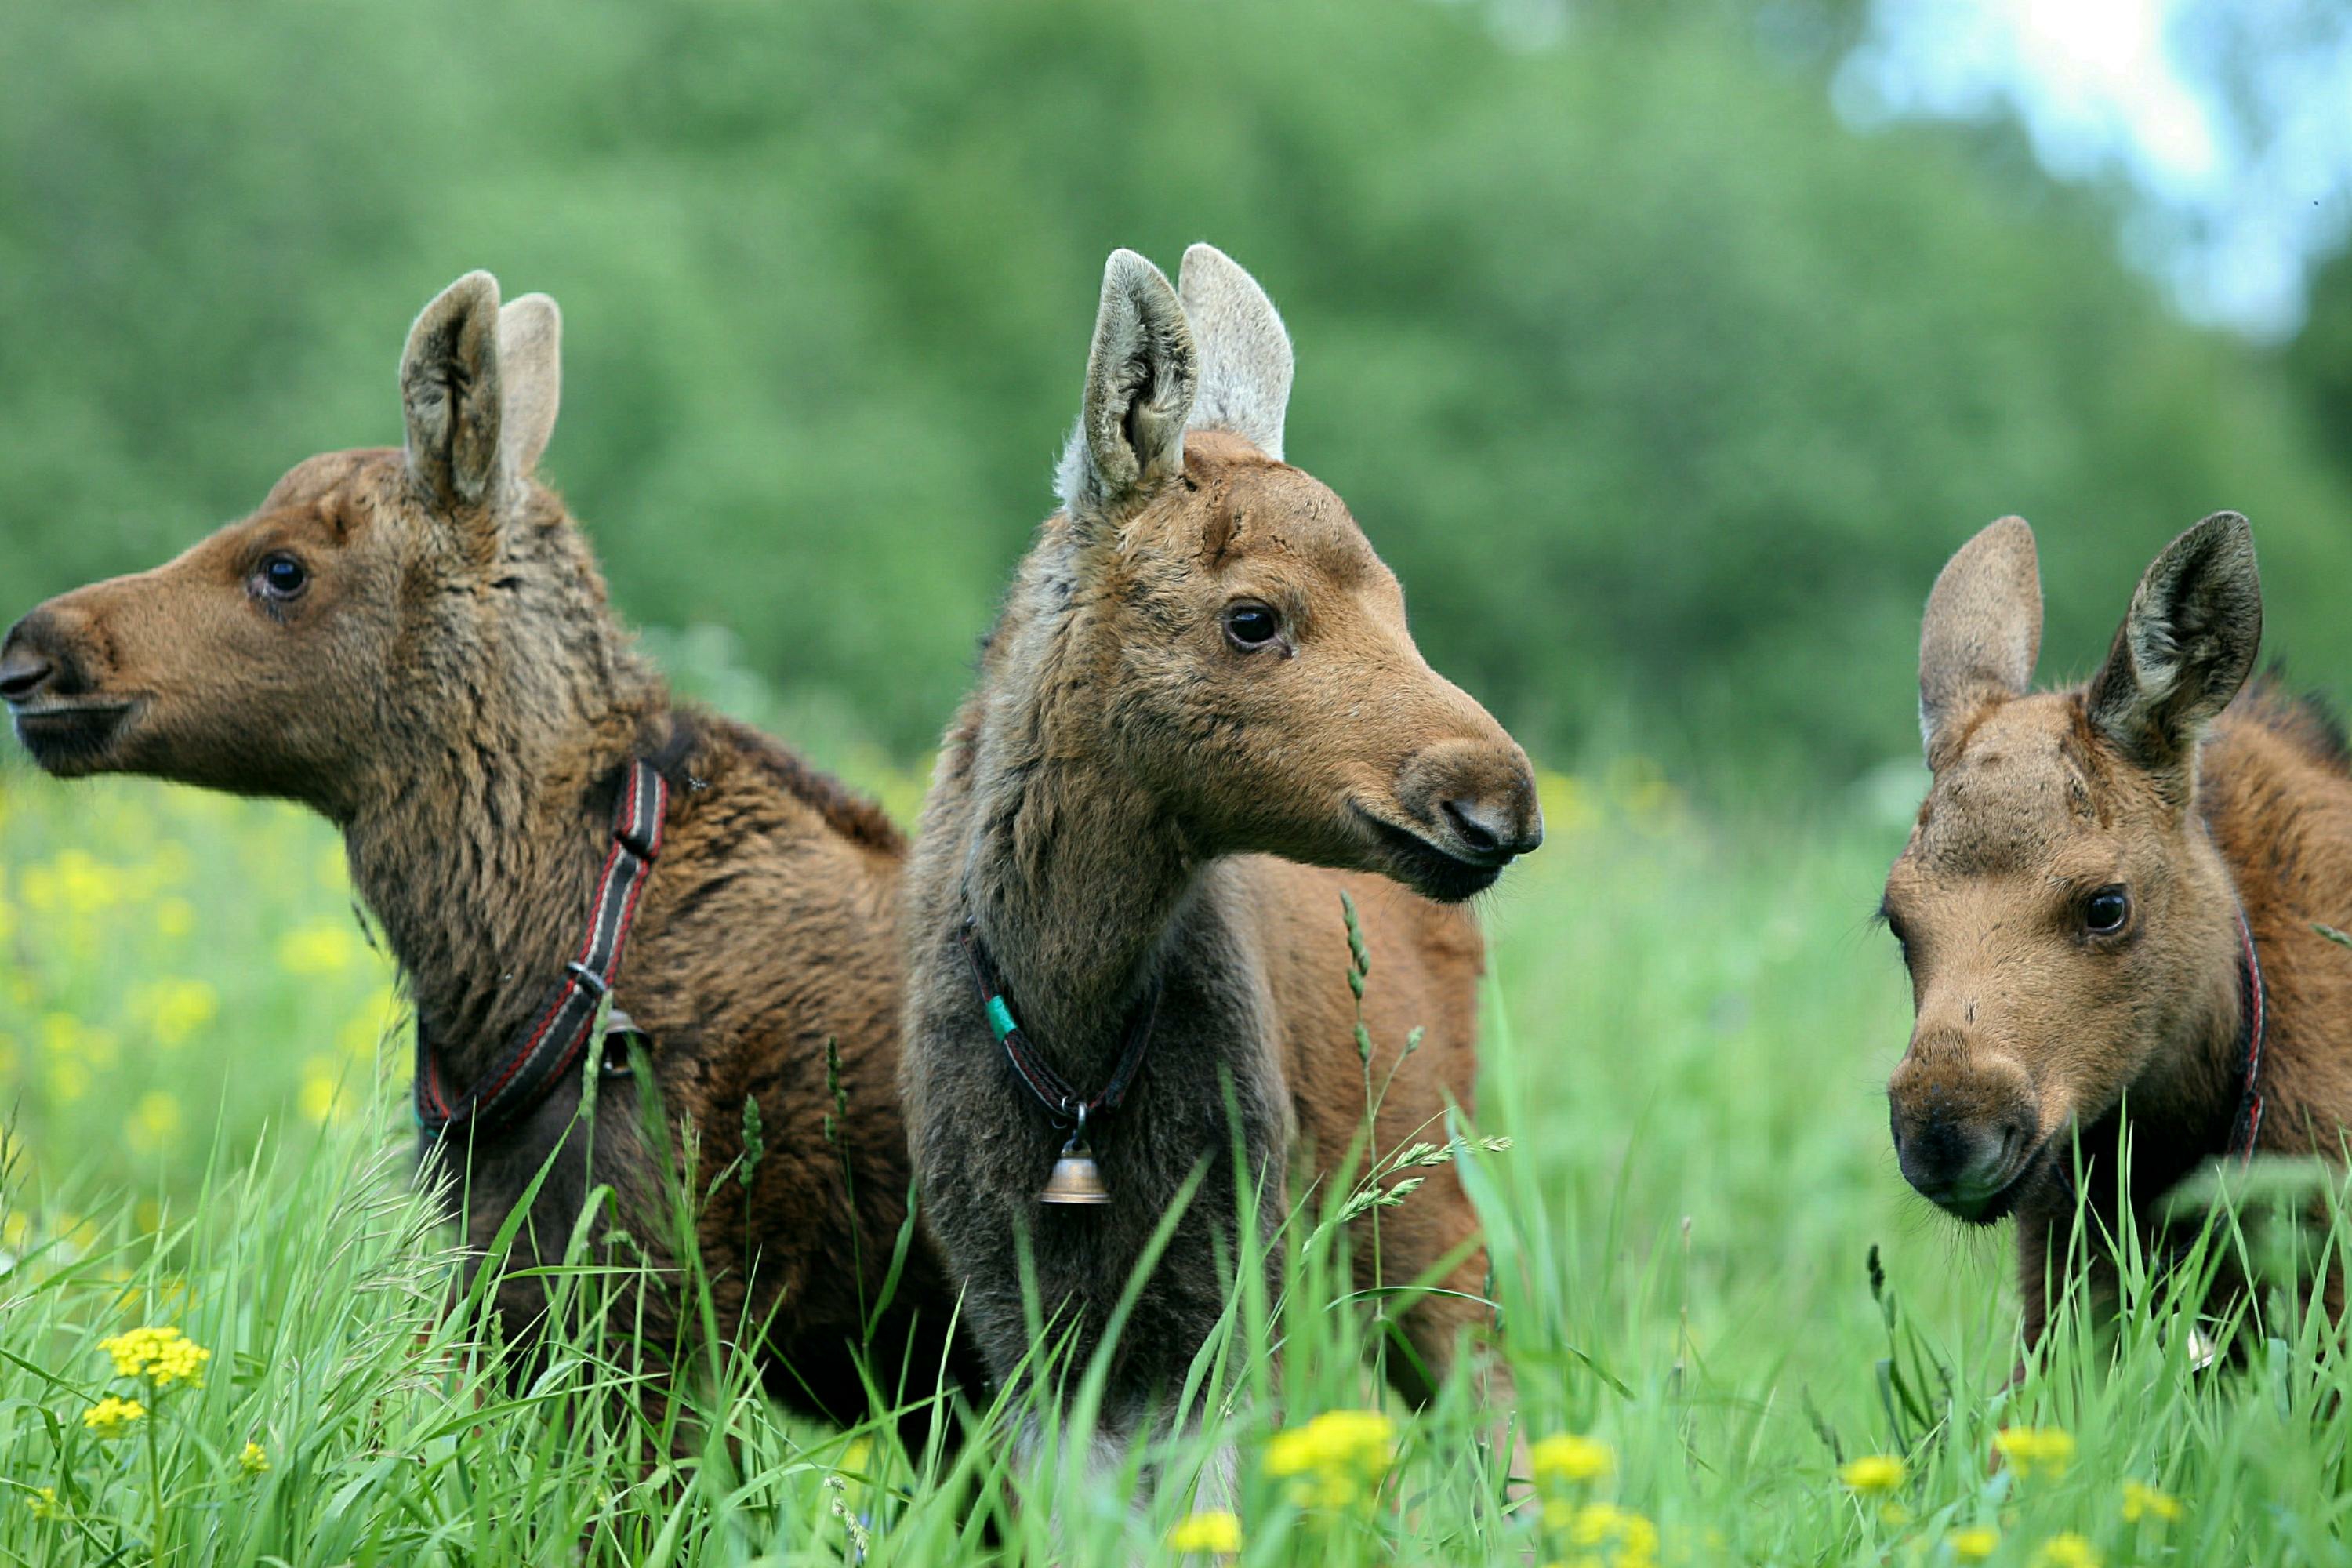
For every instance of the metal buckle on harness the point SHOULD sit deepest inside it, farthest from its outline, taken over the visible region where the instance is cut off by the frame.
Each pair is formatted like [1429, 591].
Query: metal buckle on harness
[595, 983]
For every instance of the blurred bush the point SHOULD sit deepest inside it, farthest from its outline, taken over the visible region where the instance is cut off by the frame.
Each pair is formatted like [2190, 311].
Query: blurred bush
[1665, 394]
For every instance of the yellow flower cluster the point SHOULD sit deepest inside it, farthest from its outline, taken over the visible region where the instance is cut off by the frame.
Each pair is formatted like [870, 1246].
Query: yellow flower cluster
[44, 1503]
[324, 947]
[163, 1356]
[1333, 1459]
[1873, 1475]
[2144, 1501]
[1567, 1459]
[111, 1414]
[254, 1460]
[2067, 1549]
[1217, 1533]
[1974, 1543]
[2035, 1450]
[1602, 1532]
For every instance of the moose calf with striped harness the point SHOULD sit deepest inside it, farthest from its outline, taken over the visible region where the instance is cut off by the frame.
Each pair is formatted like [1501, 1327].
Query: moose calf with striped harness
[2115, 904]
[415, 642]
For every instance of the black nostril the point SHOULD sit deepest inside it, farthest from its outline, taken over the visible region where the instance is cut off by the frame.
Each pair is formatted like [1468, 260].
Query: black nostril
[1474, 826]
[24, 672]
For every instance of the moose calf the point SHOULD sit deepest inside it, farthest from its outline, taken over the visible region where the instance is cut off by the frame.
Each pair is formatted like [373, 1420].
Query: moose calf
[2108, 904]
[416, 643]
[1201, 666]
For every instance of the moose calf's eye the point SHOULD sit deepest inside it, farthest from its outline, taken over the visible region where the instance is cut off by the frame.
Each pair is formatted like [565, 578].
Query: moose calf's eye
[281, 575]
[1250, 625]
[2106, 911]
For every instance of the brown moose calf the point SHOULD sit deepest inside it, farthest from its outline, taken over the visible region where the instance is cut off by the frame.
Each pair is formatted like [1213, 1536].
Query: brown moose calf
[416, 644]
[2108, 904]
[1202, 666]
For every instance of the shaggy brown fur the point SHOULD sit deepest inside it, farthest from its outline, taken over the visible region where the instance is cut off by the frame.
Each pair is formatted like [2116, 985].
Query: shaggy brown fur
[2067, 902]
[448, 685]
[1202, 665]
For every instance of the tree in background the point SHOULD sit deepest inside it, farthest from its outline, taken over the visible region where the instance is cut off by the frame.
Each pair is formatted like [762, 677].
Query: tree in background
[1666, 393]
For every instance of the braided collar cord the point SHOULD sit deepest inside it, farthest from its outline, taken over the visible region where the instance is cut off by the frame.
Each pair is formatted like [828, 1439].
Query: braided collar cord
[551, 1039]
[1052, 1090]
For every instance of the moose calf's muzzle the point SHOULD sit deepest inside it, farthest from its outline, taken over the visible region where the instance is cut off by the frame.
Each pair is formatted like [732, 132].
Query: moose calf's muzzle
[1965, 1132]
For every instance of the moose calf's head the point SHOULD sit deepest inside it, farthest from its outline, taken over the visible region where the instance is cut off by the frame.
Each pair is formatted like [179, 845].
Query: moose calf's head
[2069, 927]
[361, 607]
[1265, 689]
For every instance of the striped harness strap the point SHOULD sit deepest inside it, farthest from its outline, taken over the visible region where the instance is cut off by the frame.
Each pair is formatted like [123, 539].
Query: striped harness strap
[549, 1043]
[2252, 1024]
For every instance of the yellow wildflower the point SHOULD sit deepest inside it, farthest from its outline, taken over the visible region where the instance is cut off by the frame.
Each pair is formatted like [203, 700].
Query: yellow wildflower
[1873, 1475]
[2141, 1501]
[319, 949]
[2029, 1450]
[175, 1009]
[68, 1082]
[2067, 1549]
[1974, 1543]
[1567, 1459]
[1634, 1538]
[1217, 1533]
[1334, 1456]
[254, 1460]
[110, 1415]
[319, 1098]
[154, 1121]
[164, 1356]
[44, 1503]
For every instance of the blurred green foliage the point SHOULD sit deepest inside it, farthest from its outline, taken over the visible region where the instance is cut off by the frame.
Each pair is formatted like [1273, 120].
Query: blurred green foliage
[1665, 394]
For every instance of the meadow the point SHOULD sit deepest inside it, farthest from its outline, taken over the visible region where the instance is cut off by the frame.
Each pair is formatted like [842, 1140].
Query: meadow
[1737, 1339]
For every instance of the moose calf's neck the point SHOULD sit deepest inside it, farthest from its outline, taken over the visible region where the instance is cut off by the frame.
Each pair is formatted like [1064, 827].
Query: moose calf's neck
[1072, 871]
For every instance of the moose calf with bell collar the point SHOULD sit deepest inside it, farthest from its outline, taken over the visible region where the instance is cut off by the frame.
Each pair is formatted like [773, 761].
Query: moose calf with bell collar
[1200, 679]
[2110, 904]
[416, 643]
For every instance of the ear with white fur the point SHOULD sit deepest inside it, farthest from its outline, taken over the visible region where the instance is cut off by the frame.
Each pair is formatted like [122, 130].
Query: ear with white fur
[1981, 632]
[1140, 378]
[2185, 647]
[1245, 360]
[530, 366]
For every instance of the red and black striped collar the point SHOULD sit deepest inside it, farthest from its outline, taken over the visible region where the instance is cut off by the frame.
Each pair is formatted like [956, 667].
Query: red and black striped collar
[551, 1039]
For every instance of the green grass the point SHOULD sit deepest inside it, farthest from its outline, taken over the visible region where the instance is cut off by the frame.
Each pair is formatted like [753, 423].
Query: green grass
[1690, 1024]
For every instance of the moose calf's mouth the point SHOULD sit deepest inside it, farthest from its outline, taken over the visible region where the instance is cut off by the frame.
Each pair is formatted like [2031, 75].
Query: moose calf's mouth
[1429, 868]
[69, 738]
[1992, 1207]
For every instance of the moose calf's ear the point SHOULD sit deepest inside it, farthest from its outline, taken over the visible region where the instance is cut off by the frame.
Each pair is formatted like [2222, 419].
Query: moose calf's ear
[1140, 378]
[2185, 647]
[530, 364]
[449, 391]
[1245, 360]
[1983, 630]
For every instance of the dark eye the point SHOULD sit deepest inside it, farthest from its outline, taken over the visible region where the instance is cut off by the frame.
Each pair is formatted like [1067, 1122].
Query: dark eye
[281, 575]
[2105, 910]
[1250, 625]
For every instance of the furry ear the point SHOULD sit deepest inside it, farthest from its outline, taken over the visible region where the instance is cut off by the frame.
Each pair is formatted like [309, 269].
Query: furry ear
[449, 391]
[1140, 378]
[1245, 360]
[530, 364]
[2185, 647]
[1981, 631]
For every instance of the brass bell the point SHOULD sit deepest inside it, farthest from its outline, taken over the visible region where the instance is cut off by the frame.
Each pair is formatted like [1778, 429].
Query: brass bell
[1077, 1179]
